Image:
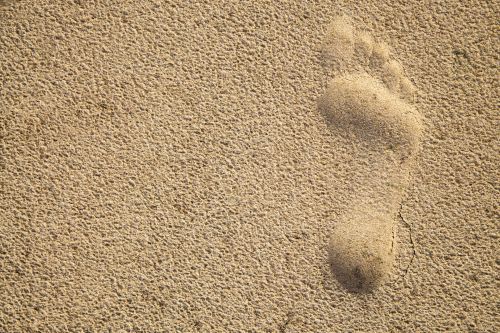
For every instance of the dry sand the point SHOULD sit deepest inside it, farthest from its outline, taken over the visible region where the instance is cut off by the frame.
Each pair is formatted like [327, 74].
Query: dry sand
[249, 166]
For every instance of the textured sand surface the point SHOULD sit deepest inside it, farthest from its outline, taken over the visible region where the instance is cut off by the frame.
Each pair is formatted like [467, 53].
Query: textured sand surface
[165, 166]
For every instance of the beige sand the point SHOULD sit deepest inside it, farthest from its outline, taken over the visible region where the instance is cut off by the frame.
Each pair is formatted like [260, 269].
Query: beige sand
[166, 168]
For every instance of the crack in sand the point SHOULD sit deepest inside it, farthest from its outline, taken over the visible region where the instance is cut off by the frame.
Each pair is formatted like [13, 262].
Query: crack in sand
[392, 240]
[414, 250]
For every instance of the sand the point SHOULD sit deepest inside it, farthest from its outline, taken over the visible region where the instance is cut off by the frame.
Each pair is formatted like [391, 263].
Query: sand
[248, 166]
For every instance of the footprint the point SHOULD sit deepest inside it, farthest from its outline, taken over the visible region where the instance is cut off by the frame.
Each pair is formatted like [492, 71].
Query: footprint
[376, 116]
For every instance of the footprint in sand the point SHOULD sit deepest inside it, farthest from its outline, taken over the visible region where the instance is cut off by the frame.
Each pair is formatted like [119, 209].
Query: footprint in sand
[371, 107]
